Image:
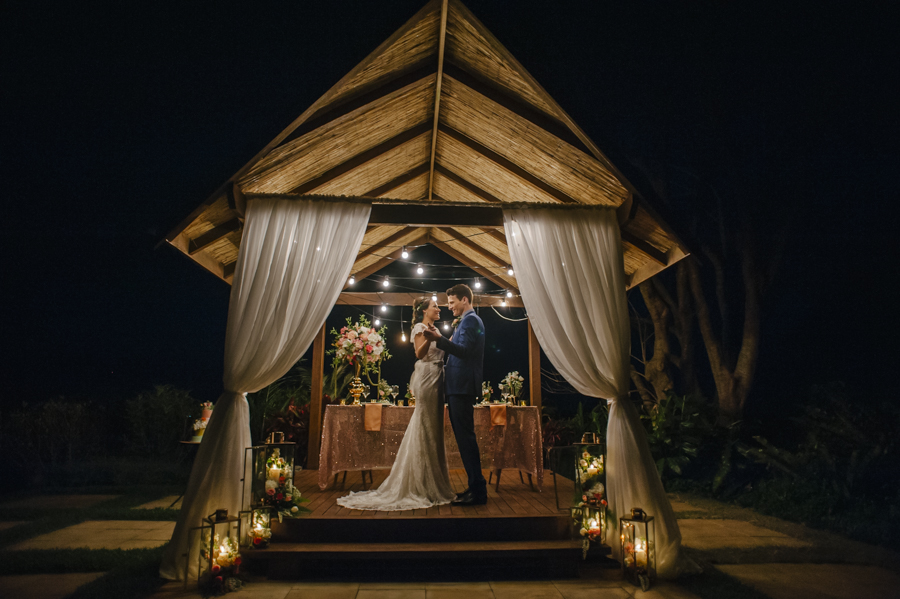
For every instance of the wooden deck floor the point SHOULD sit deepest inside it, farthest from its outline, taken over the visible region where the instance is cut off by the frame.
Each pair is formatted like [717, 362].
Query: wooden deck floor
[513, 499]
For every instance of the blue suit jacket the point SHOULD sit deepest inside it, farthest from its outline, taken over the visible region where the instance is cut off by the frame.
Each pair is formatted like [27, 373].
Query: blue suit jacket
[464, 370]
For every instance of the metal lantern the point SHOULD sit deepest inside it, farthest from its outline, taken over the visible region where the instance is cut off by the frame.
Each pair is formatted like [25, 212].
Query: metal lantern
[589, 514]
[637, 536]
[272, 472]
[221, 548]
[260, 530]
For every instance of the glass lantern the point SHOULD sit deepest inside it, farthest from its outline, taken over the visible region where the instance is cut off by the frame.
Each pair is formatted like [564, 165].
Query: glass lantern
[221, 543]
[271, 473]
[637, 536]
[259, 531]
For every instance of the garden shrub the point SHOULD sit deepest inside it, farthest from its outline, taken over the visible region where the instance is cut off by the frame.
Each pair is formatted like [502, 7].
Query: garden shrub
[158, 420]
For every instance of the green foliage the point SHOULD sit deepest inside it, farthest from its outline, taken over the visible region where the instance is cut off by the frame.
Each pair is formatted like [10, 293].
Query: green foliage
[158, 420]
[675, 430]
[283, 406]
[594, 421]
[337, 383]
[38, 437]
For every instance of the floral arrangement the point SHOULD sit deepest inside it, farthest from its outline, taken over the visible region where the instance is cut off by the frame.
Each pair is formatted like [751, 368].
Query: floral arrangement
[486, 391]
[359, 344]
[591, 527]
[456, 322]
[410, 398]
[280, 492]
[589, 469]
[206, 405]
[383, 391]
[226, 565]
[512, 384]
[260, 532]
[200, 425]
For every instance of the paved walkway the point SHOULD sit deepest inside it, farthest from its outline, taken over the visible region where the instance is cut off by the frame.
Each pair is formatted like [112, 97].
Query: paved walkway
[771, 556]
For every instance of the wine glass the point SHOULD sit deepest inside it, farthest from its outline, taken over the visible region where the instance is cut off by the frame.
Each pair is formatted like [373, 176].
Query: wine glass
[395, 391]
[365, 392]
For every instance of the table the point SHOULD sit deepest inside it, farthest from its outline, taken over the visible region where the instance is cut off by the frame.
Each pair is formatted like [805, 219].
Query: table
[347, 446]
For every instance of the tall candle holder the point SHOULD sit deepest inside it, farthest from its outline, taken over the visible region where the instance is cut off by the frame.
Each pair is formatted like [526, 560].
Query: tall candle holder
[638, 546]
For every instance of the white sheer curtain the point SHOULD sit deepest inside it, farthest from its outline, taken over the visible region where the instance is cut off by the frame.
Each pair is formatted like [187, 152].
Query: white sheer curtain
[570, 271]
[294, 259]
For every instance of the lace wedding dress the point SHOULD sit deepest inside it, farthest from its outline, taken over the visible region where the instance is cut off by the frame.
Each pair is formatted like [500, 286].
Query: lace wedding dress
[419, 477]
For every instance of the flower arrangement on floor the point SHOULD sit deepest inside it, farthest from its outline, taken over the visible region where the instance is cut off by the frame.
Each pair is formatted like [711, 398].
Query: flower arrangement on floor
[512, 385]
[224, 575]
[280, 492]
[261, 531]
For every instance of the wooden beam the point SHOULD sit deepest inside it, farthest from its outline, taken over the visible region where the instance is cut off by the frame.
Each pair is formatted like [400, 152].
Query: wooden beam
[213, 235]
[228, 269]
[465, 260]
[316, 408]
[436, 215]
[362, 158]
[499, 95]
[384, 242]
[534, 368]
[375, 267]
[456, 235]
[468, 186]
[442, 37]
[497, 235]
[644, 247]
[326, 114]
[507, 164]
[397, 181]
[365, 298]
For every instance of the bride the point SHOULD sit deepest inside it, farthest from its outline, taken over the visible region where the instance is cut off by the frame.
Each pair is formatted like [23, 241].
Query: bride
[419, 477]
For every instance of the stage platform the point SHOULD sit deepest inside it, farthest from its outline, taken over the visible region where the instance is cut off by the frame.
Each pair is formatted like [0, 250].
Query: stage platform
[520, 531]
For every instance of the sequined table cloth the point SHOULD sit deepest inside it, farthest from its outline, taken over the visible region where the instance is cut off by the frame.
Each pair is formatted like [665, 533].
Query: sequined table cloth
[347, 446]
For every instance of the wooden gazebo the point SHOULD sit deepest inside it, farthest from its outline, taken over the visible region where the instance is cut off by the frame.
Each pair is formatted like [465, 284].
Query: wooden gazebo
[439, 128]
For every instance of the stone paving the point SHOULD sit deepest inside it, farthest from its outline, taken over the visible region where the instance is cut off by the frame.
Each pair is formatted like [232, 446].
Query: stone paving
[44, 586]
[103, 534]
[49, 502]
[817, 581]
[172, 502]
[715, 534]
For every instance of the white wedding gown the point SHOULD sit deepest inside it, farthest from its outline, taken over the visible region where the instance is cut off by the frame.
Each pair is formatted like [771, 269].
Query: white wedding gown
[420, 477]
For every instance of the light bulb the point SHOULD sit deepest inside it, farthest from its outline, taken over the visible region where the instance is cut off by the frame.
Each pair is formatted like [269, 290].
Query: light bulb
[509, 294]
[509, 270]
[434, 298]
[503, 303]
[377, 322]
[403, 337]
[384, 307]
[352, 281]
[477, 283]
[403, 253]
[446, 327]
[386, 282]
[420, 269]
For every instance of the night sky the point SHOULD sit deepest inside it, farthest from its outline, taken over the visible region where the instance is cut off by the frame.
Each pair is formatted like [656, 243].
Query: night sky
[119, 119]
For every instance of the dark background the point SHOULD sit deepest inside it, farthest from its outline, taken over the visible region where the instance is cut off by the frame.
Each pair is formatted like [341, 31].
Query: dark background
[119, 119]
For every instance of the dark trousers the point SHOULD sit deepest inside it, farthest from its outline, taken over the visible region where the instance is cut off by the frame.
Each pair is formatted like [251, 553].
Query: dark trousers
[462, 417]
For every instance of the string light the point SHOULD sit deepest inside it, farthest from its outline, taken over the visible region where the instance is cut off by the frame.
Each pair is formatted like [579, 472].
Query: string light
[384, 307]
[420, 269]
[446, 327]
[386, 282]
[352, 280]
[509, 294]
[403, 253]
[377, 322]
[434, 297]
[402, 335]
[477, 283]
[509, 270]
[503, 303]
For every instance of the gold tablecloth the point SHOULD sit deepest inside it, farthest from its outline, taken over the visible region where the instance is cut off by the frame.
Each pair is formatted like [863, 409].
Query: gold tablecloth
[347, 446]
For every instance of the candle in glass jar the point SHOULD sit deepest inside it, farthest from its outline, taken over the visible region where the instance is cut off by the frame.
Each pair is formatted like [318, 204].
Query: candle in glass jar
[640, 552]
[274, 473]
[592, 471]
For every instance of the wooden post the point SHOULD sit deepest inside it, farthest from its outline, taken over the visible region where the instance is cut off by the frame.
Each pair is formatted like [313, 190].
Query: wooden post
[316, 409]
[534, 368]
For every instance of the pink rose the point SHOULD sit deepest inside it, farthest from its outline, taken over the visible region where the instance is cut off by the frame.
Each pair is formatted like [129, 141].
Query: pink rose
[216, 568]
[370, 349]
[270, 491]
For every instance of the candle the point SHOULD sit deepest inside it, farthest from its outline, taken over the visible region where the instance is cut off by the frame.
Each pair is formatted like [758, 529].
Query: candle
[592, 471]
[274, 473]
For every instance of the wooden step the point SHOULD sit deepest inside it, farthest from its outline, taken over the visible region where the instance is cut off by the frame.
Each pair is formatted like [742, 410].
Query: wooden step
[556, 527]
[417, 550]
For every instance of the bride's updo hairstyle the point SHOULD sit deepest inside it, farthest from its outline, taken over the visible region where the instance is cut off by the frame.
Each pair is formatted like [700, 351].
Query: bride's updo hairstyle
[419, 307]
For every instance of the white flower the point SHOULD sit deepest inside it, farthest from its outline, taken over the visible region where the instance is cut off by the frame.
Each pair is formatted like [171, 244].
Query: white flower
[295, 509]
[271, 484]
[583, 531]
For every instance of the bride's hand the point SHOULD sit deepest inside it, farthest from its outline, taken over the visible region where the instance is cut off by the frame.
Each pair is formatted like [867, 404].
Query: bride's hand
[431, 333]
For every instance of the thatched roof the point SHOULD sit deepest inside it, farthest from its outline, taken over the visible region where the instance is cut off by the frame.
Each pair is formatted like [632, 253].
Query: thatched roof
[439, 114]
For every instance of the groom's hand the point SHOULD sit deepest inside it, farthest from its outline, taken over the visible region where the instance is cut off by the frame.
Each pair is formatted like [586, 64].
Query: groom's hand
[431, 333]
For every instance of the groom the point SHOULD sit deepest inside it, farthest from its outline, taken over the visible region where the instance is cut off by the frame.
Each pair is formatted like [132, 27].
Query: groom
[462, 385]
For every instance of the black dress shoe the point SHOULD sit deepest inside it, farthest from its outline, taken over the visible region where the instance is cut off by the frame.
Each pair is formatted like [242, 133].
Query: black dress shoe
[469, 499]
[458, 495]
